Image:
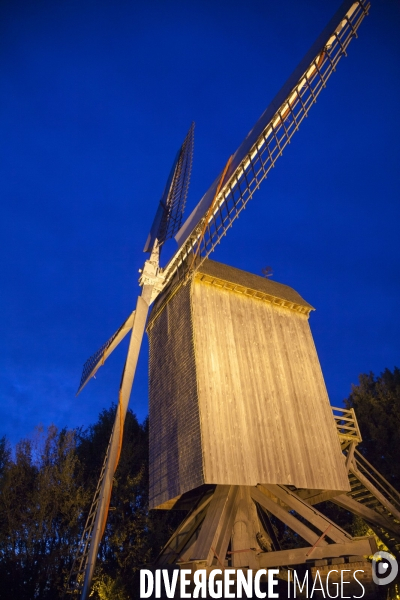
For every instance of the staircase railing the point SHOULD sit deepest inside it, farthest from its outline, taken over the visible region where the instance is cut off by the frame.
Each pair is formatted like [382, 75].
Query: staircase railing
[348, 432]
[346, 424]
[382, 485]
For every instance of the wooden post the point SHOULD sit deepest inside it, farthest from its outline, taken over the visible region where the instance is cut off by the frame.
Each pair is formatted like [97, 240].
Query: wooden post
[217, 526]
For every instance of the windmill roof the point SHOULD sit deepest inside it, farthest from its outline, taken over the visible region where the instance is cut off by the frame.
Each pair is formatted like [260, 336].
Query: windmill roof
[223, 272]
[236, 281]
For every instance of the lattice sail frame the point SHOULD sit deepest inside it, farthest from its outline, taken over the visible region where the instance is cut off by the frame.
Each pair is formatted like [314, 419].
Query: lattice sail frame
[240, 185]
[94, 362]
[176, 199]
[171, 207]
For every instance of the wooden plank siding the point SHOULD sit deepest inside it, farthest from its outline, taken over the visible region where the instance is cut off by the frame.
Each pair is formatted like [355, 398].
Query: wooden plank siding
[237, 395]
[174, 426]
[264, 410]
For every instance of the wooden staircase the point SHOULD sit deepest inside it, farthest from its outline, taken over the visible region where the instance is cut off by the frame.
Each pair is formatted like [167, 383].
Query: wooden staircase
[371, 496]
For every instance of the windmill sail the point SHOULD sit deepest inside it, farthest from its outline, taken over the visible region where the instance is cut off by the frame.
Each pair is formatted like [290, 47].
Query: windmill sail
[264, 144]
[97, 360]
[82, 570]
[169, 215]
[114, 449]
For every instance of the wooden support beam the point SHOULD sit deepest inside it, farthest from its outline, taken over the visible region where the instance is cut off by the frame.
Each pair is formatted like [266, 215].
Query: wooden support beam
[311, 514]
[217, 525]
[298, 556]
[286, 517]
[175, 550]
[268, 529]
[366, 513]
[316, 496]
[350, 456]
[187, 550]
[182, 534]
[245, 528]
[222, 544]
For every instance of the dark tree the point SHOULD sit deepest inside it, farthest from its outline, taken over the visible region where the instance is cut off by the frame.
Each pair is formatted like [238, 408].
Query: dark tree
[376, 401]
[46, 488]
[41, 501]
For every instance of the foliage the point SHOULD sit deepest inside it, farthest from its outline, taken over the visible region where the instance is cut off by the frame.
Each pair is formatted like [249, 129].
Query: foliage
[46, 488]
[376, 401]
[41, 502]
[107, 588]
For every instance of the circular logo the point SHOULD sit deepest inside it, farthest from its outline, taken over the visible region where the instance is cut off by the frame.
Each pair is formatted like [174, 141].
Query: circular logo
[384, 568]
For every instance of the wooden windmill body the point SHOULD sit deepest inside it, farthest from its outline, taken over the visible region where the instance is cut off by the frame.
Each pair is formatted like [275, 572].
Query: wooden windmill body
[242, 431]
[240, 423]
[237, 395]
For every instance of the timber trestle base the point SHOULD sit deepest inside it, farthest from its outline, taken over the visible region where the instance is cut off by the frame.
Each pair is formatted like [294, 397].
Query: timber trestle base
[230, 526]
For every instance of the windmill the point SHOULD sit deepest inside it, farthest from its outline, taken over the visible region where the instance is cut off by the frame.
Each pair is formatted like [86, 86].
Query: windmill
[197, 237]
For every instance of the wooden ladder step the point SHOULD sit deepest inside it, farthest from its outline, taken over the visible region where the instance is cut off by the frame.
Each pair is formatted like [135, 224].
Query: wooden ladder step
[362, 495]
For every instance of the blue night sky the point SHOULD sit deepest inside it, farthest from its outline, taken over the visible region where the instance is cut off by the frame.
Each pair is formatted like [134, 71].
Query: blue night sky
[96, 98]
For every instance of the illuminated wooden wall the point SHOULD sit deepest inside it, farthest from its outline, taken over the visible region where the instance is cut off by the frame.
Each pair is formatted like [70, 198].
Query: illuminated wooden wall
[237, 394]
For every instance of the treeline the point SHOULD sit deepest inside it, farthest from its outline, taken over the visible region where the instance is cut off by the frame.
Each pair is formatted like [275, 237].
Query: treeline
[47, 484]
[46, 488]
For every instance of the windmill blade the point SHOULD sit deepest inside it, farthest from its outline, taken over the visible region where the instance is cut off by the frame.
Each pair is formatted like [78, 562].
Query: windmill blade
[85, 560]
[82, 570]
[97, 360]
[115, 445]
[264, 144]
[170, 210]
